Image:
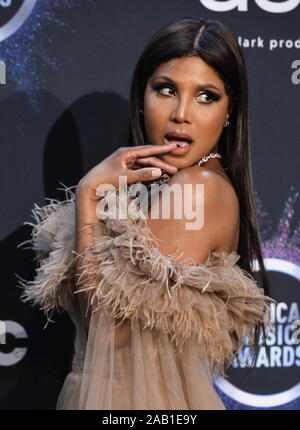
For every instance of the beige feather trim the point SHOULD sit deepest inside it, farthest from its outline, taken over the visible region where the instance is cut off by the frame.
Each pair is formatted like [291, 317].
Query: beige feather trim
[53, 240]
[217, 302]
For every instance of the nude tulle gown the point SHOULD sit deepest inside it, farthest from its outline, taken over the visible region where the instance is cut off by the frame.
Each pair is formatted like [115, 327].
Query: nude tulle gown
[160, 330]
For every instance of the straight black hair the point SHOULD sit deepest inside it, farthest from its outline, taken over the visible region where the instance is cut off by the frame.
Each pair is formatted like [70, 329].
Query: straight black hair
[214, 43]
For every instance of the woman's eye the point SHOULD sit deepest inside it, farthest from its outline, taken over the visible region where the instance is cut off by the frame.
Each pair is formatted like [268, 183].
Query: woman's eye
[164, 87]
[209, 96]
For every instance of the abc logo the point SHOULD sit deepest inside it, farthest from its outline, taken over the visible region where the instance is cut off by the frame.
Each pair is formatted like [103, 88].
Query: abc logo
[242, 5]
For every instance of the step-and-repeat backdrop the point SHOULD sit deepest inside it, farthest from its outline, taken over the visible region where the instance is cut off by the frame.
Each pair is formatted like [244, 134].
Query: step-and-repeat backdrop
[65, 73]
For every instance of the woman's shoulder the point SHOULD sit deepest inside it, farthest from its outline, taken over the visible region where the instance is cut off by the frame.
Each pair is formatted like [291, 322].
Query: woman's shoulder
[217, 182]
[200, 220]
[217, 189]
[220, 199]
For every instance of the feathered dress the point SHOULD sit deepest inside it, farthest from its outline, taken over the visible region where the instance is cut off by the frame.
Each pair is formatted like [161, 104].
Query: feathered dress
[160, 330]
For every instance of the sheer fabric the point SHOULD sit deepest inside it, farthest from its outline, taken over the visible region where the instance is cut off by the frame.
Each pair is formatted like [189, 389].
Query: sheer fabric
[143, 372]
[160, 330]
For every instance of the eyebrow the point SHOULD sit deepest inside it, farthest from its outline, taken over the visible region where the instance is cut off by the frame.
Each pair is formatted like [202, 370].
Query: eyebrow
[198, 87]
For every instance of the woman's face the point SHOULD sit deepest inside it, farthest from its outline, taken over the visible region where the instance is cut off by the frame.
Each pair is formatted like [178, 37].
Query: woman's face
[174, 101]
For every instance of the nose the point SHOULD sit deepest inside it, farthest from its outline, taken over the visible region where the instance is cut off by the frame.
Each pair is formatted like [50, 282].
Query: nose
[181, 112]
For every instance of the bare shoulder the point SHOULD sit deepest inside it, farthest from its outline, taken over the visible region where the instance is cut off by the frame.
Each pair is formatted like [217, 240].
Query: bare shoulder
[220, 190]
[219, 193]
[218, 186]
[208, 218]
[221, 206]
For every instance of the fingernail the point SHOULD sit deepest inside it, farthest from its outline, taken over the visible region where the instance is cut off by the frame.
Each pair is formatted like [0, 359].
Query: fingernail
[173, 144]
[156, 172]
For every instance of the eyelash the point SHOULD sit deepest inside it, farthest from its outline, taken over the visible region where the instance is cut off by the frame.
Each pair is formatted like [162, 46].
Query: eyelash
[213, 96]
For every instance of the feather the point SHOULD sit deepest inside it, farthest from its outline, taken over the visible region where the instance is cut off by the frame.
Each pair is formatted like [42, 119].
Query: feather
[216, 302]
[53, 240]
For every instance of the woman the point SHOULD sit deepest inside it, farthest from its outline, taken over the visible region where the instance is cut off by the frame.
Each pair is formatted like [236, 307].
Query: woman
[160, 309]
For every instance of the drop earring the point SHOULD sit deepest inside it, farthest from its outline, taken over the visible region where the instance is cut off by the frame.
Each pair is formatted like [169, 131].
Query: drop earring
[226, 123]
[141, 111]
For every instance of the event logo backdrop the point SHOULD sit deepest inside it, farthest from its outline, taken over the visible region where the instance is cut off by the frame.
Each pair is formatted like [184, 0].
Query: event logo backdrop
[274, 381]
[13, 15]
[242, 5]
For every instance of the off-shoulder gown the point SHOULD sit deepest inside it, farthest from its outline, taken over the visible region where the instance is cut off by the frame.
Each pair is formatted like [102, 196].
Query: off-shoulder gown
[160, 330]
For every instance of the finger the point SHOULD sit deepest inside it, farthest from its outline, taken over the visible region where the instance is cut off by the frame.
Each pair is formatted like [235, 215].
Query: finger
[146, 174]
[164, 173]
[148, 150]
[137, 166]
[157, 162]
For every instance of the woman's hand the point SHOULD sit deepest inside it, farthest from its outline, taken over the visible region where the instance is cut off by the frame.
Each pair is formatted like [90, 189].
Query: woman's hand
[124, 161]
[128, 161]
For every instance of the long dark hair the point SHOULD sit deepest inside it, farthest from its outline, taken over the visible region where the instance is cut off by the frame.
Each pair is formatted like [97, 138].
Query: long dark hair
[218, 47]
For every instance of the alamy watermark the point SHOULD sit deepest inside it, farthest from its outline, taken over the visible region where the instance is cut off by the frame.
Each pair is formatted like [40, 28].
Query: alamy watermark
[296, 73]
[183, 197]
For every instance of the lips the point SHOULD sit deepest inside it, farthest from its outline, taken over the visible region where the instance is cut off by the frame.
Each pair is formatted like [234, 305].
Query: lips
[182, 138]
